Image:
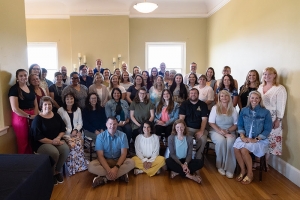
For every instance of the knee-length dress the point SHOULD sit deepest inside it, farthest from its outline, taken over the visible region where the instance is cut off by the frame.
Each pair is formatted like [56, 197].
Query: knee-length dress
[275, 100]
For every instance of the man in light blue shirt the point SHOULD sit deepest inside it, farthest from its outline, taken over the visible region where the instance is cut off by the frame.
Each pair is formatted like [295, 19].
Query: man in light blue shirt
[111, 147]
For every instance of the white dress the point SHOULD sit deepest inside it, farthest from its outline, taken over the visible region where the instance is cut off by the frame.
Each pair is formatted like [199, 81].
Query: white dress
[275, 100]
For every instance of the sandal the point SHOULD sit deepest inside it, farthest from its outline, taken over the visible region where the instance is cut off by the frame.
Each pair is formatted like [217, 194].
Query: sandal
[173, 174]
[240, 177]
[246, 180]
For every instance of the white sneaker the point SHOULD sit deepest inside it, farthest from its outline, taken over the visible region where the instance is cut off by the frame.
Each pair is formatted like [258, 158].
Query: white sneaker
[221, 171]
[229, 175]
[137, 171]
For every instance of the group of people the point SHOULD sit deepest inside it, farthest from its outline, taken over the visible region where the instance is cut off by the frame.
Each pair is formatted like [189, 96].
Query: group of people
[115, 109]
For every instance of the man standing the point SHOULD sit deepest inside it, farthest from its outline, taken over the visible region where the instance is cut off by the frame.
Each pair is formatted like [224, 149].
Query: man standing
[193, 69]
[111, 147]
[162, 67]
[65, 78]
[124, 69]
[98, 67]
[195, 113]
[90, 72]
[227, 71]
[84, 78]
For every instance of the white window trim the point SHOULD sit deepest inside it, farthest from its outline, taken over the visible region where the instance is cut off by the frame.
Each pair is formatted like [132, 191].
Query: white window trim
[183, 53]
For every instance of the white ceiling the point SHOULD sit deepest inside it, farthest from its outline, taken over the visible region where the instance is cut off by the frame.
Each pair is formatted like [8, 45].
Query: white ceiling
[166, 8]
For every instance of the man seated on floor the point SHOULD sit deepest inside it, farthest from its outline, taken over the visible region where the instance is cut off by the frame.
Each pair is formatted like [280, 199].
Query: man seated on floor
[111, 147]
[195, 113]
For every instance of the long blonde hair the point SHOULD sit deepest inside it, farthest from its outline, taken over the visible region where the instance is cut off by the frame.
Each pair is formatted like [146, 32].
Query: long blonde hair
[272, 70]
[247, 82]
[230, 107]
[258, 94]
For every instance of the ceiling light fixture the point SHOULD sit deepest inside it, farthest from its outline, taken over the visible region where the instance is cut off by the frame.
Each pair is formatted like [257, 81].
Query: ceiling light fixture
[145, 7]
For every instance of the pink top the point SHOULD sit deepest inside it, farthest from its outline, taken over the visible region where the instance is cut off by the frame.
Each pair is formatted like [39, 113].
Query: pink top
[164, 115]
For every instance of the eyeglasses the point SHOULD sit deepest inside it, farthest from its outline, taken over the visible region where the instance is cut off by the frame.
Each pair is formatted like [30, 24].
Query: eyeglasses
[36, 69]
[142, 93]
[75, 78]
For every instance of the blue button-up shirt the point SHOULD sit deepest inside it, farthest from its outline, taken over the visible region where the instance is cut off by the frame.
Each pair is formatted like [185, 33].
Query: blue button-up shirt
[111, 145]
[258, 121]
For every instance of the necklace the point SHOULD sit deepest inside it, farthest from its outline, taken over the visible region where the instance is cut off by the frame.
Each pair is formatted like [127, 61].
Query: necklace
[59, 90]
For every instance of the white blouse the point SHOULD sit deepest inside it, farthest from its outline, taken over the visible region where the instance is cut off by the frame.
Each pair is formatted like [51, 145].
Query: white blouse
[147, 149]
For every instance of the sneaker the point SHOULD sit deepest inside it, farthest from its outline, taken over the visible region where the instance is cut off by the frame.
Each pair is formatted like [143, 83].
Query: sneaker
[99, 180]
[54, 180]
[221, 171]
[137, 171]
[59, 178]
[125, 178]
[229, 175]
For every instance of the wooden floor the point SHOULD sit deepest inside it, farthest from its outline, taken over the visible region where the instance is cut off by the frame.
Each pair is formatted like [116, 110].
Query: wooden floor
[214, 186]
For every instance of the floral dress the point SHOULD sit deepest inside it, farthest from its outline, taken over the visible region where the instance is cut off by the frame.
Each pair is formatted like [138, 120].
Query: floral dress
[275, 100]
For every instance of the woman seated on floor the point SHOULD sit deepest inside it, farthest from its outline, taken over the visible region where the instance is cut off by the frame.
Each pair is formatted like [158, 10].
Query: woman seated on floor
[47, 130]
[71, 115]
[147, 157]
[223, 120]
[180, 158]
[254, 127]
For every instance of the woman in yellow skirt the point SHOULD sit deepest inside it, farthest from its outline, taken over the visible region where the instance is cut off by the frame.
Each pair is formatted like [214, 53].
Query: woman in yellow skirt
[147, 159]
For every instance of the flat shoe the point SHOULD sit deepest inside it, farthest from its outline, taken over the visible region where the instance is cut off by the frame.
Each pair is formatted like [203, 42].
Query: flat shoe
[246, 180]
[239, 178]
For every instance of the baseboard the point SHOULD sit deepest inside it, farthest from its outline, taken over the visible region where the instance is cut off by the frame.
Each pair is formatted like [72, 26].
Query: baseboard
[287, 170]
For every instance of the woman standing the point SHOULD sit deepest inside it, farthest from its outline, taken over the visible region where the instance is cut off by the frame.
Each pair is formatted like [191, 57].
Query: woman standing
[179, 89]
[192, 81]
[47, 129]
[274, 97]
[118, 108]
[254, 127]
[93, 116]
[156, 90]
[71, 115]
[132, 90]
[154, 74]
[251, 84]
[181, 147]
[125, 82]
[206, 93]
[56, 91]
[35, 82]
[227, 83]
[114, 83]
[141, 109]
[171, 78]
[106, 75]
[136, 70]
[167, 111]
[147, 159]
[223, 120]
[118, 73]
[24, 108]
[146, 80]
[211, 80]
[166, 77]
[80, 91]
[100, 89]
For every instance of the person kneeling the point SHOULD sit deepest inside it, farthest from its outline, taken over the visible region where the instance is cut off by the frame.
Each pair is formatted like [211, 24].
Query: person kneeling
[111, 147]
[181, 148]
[147, 151]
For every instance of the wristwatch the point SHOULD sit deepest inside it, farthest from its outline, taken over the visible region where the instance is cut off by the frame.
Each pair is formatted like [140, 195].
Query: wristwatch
[118, 166]
[28, 116]
[257, 139]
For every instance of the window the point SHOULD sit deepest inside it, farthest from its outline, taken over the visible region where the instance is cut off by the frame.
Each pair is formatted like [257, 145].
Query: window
[171, 53]
[45, 55]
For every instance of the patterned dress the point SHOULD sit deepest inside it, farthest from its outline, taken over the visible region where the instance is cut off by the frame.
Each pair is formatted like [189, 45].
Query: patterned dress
[275, 100]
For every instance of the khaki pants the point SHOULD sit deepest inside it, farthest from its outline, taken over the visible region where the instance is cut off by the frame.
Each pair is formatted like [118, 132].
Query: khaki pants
[200, 142]
[96, 168]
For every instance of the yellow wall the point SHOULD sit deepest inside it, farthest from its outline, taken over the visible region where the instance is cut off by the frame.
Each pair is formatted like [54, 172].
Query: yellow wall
[256, 34]
[192, 31]
[13, 56]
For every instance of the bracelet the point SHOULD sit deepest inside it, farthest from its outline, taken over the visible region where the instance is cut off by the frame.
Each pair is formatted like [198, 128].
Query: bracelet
[185, 163]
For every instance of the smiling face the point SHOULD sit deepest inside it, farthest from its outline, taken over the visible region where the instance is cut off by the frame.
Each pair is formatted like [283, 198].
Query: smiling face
[36, 70]
[47, 107]
[178, 79]
[63, 70]
[116, 95]
[254, 100]
[179, 129]
[159, 80]
[75, 79]
[166, 95]
[136, 70]
[142, 95]
[209, 73]
[145, 75]
[69, 100]
[193, 67]
[58, 78]
[252, 77]
[22, 77]
[138, 80]
[224, 98]
[125, 76]
[154, 72]
[226, 81]
[124, 67]
[115, 80]
[202, 81]
[172, 74]
[84, 71]
[98, 79]
[192, 78]
[111, 126]
[34, 80]
[193, 95]
[93, 100]
[269, 76]
[226, 71]
[162, 67]
[146, 129]
[106, 73]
